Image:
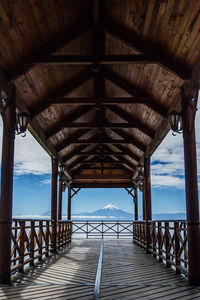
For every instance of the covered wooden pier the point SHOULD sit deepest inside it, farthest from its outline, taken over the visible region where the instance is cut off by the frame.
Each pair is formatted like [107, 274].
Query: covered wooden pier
[97, 81]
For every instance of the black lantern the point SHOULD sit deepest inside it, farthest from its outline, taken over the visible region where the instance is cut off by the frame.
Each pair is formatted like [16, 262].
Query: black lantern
[21, 123]
[140, 169]
[140, 185]
[175, 122]
[64, 185]
[62, 169]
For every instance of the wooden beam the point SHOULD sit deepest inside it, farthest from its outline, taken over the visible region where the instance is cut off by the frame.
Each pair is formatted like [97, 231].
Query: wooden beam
[54, 196]
[56, 42]
[98, 100]
[104, 176]
[134, 40]
[135, 91]
[73, 153]
[6, 198]
[62, 90]
[67, 119]
[79, 160]
[102, 141]
[101, 59]
[132, 120]
[128, 152]
[128, 136]
[99, 124]
[102, 185]
[106, 153]
[123, 160]
[73, 137]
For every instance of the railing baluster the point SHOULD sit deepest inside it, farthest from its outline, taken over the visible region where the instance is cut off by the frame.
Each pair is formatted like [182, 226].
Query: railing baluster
[177, 247]
[40, 240]
[32, 244]
[21, 257]
[167, 245]
[47, 239]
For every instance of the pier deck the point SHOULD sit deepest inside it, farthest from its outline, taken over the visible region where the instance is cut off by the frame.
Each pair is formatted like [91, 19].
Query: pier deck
[127, 273]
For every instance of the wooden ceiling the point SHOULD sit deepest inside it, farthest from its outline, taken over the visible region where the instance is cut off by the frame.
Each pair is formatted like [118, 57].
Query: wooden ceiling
[99, 77]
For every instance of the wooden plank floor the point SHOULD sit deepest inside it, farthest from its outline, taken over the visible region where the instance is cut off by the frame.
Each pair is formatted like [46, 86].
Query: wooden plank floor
[127, 273]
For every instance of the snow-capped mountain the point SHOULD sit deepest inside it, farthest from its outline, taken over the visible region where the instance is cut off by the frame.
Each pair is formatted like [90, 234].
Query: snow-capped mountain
[110, 211]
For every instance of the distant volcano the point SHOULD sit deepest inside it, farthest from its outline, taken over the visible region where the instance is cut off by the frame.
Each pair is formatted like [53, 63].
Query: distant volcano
[110, 211]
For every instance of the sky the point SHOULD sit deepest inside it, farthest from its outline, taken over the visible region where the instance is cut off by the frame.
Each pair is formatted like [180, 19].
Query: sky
[32, 190]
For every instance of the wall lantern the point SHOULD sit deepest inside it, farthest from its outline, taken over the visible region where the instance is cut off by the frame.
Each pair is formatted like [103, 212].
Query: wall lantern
[140, 185]
[140, 169]
[21, 123]
[61, 169]
[175, 122]
[64, 185]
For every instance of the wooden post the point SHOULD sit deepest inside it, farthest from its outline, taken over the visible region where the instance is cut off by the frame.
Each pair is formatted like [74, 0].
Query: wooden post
[60, 200]
[143, 203]
[7, 187]
[136, 204]
[189, 102]
[54, 179]
[147, 188]
[69, 204]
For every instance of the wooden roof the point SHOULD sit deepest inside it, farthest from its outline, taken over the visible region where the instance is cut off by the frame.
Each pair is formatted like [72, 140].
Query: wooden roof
[99, 77]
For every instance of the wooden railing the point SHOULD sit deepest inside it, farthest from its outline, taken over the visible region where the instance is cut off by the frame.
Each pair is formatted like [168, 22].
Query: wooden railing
[102, 229]
[34, 239]
[166, 240]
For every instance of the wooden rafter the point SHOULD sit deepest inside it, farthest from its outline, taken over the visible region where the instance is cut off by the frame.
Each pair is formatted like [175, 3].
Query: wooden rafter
[66, 120]
[128, 152]
[63, 144]
[98, 124]
[98, 100]
[132, 120]
[84, 164]
[101, 59]
[50, 47]
[75, 152]
[122, 159]
[102, 185]
[127, 136]
[62, 90]
[142, 46]
[135, 91]
[80, 159]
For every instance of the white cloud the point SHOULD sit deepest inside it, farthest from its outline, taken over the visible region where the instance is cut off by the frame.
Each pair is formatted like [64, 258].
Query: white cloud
[45, 181]
[168, 160]
[30, 157]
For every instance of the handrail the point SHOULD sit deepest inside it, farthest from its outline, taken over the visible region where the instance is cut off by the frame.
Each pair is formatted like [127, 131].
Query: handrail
[166, 240]
[33, 239]
[102, 228]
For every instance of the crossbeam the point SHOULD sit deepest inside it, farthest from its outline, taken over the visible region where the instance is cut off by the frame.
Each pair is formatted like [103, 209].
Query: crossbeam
[134, 40]
[135, 91]
[102, 59]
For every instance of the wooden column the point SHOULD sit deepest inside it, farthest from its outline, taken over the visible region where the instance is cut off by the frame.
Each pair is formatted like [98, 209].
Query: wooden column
[143, 203]
[7, 188]
[54, 180]
[69, 204]
[189, 102]
[147, 187]
[136, 204]
[60, 200]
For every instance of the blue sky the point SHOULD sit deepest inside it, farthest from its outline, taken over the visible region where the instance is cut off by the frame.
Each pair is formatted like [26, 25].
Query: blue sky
[32, 180]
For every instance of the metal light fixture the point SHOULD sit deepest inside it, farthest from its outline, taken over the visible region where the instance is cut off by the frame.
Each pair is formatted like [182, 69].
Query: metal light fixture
[175, 122]
[21, 123]
[140, 169]
[140, 185]
[64, 185]
[61, 169]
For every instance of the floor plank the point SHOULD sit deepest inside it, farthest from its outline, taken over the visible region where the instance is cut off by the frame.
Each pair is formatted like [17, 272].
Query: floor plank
[127, 273]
